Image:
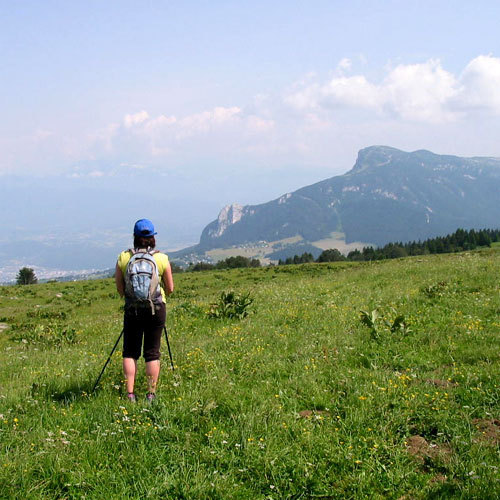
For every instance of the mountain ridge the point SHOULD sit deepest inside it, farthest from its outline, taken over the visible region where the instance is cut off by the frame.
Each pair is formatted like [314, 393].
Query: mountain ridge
[388, 195]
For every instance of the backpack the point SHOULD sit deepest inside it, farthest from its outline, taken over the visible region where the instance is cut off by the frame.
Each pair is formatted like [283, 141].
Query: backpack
[142, 281]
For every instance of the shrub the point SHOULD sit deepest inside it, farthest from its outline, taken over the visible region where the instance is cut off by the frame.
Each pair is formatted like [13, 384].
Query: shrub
[176, 268]
[378, 323]
[231, 305]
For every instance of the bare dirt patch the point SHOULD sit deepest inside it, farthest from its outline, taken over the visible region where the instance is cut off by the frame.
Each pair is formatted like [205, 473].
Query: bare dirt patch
[314, 413]
[424, 452]
[438, 478]
[489, 430]
[441, 383]
[337, 240]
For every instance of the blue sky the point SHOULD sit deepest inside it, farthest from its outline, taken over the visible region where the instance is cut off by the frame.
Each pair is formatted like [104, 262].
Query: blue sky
[260, 97]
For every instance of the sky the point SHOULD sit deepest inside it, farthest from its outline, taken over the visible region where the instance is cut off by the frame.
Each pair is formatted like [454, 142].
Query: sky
[214, 102]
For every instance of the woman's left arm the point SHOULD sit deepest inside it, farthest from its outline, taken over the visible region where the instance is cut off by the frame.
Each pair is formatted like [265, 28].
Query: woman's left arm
[168, 280]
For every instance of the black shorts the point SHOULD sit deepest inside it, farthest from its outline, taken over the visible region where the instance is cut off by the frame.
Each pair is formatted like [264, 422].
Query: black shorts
[141, 324]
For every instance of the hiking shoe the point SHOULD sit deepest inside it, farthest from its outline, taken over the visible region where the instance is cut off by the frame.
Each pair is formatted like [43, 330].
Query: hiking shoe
[131, 397]
[150, 397]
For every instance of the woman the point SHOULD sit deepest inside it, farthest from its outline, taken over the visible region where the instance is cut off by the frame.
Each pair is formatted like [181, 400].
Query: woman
[143, 325]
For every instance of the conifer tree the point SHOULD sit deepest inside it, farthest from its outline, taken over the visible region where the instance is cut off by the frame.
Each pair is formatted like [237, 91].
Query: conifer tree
[26, 276]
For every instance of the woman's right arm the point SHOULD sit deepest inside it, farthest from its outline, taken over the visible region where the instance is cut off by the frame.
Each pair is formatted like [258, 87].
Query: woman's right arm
[120, 282]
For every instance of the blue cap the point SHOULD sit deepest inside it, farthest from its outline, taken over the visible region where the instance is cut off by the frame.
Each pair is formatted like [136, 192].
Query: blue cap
[144, 227]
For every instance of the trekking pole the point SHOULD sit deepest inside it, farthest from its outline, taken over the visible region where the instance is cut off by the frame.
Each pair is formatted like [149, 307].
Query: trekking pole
[106, 364]
[169, 351]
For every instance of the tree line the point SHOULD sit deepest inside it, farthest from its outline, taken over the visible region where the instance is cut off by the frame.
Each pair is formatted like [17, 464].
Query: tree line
[461, 240]
[229, 263]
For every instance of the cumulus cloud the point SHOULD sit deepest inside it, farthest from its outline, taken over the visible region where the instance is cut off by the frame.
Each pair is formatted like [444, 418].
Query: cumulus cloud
[135, 119]
[218, 129]
[206, 121]
[199, 122]
[423, 92]
[420, 92]
[481, 85]
[341, 91]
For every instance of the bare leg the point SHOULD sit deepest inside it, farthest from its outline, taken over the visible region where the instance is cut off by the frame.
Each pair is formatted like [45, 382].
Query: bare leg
[152, 374]
[129, 370]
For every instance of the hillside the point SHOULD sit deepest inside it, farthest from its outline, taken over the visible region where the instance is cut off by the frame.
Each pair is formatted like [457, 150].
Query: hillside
[389, 195]
[304, 398]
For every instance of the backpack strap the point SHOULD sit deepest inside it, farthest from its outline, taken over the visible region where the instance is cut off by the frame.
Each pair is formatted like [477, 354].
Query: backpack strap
[143, 250]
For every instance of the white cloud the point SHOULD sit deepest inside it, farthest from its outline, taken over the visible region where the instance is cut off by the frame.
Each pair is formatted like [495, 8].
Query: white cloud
[341, 91]
[198, 122]
[423, 92]
[221, 130]
[258, 124]
[207, 120]
[135, 119]
[420, 92]
[161, 121]
[481, 85]
[354, 91]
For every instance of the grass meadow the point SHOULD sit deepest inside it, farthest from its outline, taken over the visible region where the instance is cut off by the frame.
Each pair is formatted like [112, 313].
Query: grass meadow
[307, 397]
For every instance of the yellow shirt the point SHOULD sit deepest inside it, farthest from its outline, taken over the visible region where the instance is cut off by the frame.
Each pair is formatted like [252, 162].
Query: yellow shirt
[161, 262]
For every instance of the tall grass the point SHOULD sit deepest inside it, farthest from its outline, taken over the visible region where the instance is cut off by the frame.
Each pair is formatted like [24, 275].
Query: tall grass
[300, 399]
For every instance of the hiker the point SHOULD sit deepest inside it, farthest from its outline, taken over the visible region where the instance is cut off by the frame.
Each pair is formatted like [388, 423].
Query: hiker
[144, 277]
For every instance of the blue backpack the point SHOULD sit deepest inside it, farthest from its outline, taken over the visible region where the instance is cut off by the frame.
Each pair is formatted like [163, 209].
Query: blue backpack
[142, 281]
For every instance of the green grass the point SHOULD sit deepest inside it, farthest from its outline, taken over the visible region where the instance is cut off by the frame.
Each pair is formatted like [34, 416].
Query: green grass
[298, 400]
